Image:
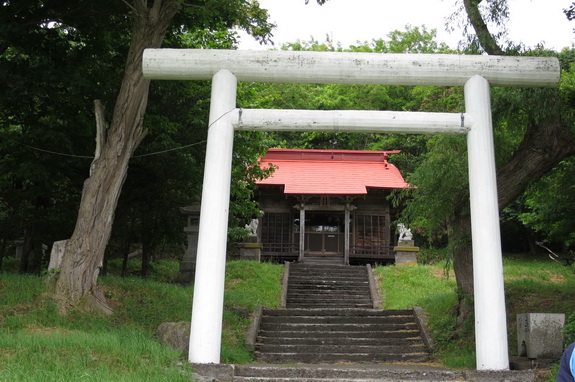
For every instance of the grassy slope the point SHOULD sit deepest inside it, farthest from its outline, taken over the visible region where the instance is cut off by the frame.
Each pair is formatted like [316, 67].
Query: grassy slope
[36, 344]
[531, 285]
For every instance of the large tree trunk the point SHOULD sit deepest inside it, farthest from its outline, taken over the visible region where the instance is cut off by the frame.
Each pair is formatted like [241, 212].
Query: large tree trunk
[460, 248]
[84, 251]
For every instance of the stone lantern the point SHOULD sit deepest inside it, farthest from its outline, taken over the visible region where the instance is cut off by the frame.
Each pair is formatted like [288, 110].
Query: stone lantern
[187, 270]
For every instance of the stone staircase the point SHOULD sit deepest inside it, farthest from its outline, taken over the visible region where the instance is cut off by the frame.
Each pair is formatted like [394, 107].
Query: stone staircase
[329, 318]
[329, 331]
[339, 335]
[328, 286]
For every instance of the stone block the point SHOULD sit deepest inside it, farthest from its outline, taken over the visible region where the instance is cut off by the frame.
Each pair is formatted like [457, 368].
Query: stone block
[250, 251]
[539, 335]
[175, 334]
[406, 255]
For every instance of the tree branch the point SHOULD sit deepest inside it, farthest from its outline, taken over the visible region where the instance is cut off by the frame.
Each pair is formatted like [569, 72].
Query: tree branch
[545, 144]
[485, 37]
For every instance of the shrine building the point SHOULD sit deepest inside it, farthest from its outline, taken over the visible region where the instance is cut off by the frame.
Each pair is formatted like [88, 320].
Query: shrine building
[327, 206]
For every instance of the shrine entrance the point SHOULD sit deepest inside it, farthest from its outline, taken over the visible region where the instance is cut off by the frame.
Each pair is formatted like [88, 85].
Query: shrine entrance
[324, 234]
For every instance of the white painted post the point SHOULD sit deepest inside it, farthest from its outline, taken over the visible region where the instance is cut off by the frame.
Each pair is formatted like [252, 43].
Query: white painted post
[490, 319]
[207, 311]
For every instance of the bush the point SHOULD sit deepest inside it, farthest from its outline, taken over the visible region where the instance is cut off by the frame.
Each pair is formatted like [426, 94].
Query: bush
[569, 329]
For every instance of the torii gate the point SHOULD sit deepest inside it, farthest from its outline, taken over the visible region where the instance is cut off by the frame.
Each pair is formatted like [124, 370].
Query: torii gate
[475, 73]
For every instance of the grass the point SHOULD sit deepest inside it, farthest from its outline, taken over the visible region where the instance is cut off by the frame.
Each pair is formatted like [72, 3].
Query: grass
[532, 284]
[37, 344]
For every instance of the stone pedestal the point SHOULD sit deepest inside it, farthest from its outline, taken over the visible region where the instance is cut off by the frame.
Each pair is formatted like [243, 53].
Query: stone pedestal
[250, 249]
[405, 253]
[187, 271]
[539, 335]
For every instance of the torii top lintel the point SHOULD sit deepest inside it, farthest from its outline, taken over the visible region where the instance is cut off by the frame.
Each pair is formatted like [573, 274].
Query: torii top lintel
[351, 68]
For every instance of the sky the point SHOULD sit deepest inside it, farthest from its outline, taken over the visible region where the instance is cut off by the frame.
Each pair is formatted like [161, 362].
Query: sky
[350, 21]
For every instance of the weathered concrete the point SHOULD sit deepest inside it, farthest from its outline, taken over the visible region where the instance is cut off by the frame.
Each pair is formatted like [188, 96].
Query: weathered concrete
[253, 329]
[539, 335]
[373, 288]
[405, 255]
[355, 373]
[421, 319]
[350, 68]
[250, 249]
[285, 281]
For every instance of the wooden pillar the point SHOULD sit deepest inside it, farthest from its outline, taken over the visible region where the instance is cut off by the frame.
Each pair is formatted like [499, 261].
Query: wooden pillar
[301, 231]
[346, 241]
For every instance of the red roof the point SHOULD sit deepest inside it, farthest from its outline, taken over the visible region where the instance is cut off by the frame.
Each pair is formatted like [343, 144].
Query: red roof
[331, 172]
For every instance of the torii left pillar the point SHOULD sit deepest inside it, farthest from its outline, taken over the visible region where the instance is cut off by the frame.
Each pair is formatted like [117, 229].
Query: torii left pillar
[206, 328]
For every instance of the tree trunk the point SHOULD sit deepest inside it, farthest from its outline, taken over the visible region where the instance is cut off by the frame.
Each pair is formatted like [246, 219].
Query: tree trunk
[146, 256]
[84, 251]
[2, 251]
[460, 247]
[27, 259]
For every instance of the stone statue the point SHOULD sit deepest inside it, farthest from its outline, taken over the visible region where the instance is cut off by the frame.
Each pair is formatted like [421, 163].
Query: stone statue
[252, 228]
[404, 232]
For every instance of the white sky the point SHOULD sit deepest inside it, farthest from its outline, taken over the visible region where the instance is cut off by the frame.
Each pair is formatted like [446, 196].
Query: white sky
[349, 21]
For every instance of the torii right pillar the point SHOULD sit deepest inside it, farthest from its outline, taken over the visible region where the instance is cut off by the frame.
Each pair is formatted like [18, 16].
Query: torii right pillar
[490, 320]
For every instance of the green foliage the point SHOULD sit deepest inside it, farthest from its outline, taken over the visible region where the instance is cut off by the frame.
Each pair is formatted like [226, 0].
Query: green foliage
[441, 188]
[569, 329]
[412, 40]
[548, 207]
[54, 62]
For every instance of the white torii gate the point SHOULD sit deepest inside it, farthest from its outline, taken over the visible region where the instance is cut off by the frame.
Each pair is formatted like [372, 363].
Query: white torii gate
[475, 73]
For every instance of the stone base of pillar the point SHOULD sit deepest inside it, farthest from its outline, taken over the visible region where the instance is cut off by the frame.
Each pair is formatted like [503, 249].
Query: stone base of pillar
[250, 249]
[405, 253]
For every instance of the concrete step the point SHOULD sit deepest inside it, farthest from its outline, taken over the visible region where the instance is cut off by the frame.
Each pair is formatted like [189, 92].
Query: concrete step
[344, 270]
[321, 334]
[341, 348]
[340, 340]
[328, 282]
[336, 327]
[325, 279]
[341, 297]
[339, 312]
[327, 304]
[317, 358]
[333, 305]
[353, 373]
[340, 319]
